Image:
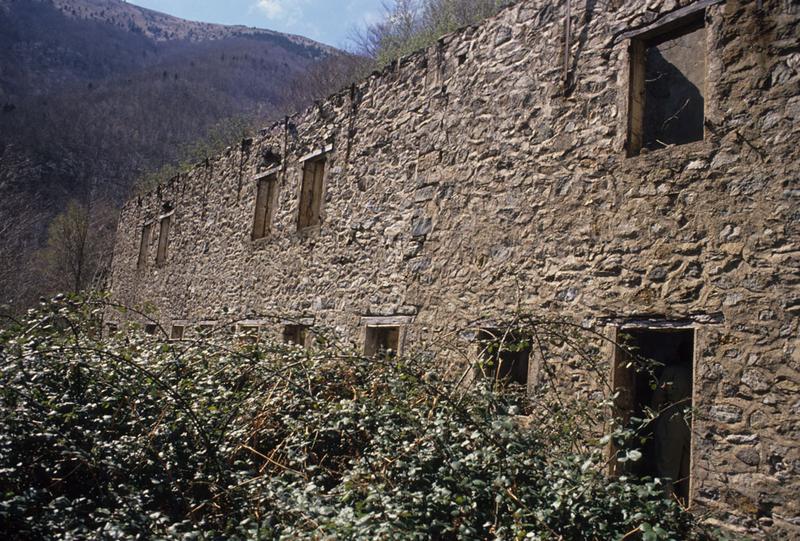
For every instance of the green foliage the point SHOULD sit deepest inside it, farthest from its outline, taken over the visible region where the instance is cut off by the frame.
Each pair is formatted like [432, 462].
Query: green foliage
[132, 437]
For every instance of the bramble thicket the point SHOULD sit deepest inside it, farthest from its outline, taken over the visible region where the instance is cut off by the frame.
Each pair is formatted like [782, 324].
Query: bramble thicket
[135, 437]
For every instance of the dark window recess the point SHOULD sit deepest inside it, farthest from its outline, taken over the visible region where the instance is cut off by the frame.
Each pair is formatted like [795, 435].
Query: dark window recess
[505, 356]
[310, 211]
[205, 330]
[653, 372]
[668, 76]
[163, 240]
[144, 245]
[382, 340]
[265, 194]
[150, 328]
[295, 334]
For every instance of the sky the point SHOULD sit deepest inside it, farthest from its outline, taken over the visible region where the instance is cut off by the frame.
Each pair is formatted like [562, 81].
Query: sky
[327, 21]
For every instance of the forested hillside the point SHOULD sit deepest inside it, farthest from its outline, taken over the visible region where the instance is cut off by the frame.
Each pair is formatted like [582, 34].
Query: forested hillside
[97, 93]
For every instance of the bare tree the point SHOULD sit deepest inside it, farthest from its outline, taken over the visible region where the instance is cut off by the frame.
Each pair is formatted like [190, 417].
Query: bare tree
[399, 32]
[326, 77]
[78, 250]
[19, 223]
[408, 25]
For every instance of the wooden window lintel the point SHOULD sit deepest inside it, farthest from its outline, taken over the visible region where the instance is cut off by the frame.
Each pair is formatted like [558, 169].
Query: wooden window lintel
[668, 22]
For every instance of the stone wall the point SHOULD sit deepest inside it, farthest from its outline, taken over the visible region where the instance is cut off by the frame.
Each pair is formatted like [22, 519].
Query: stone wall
[479, 177]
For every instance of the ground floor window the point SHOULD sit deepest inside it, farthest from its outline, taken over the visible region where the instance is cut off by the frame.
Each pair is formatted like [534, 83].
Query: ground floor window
[177, 332]
[382, 340]
[504, 356]
[653, 372]
[248, 333]
[295, 334]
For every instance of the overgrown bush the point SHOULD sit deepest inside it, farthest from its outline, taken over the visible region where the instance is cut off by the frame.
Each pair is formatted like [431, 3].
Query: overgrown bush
[131, 437]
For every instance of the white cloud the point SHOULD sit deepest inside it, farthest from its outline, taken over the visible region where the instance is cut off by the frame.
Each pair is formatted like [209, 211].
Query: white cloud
[285, 11]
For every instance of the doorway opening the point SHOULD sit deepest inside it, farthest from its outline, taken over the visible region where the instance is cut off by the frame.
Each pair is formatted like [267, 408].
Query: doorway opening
[653, 376]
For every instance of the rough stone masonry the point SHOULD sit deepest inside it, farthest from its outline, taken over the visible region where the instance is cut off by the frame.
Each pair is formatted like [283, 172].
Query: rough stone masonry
[631, 165]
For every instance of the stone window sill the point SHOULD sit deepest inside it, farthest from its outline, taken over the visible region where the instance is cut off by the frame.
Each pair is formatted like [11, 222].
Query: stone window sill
[309, 231]
[262, 242]
[703, 146]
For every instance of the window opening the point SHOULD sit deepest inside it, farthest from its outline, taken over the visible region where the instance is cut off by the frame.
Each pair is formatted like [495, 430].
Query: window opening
[265, 194]
[163, 240]
[205, 330]
[248, 334]
[667, 86]
[505, 356]
[310, 211]
[383, 340]
[144, 245]
[150, 329]
[177, 332]
[295, 334]
[653, 372]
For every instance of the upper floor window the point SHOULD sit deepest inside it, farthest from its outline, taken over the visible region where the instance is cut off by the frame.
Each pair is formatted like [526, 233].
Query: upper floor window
[310, 211]
[163, 239]
[265, 197]
[667, 84]
[144, 245]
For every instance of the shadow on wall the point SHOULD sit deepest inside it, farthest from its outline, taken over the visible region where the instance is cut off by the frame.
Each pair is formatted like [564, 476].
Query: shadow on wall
[674, 105]
[582, 39]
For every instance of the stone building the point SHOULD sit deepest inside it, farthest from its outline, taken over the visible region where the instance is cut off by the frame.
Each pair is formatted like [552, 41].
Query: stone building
[630, 165]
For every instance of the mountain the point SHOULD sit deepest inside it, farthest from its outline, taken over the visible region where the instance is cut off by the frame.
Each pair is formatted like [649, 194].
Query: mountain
[161, 27]
[47, 43]
[95, 93]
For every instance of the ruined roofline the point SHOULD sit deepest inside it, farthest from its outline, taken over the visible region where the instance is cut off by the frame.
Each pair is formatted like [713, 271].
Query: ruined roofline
[392, 68]
[396, 64]
[377, 74]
